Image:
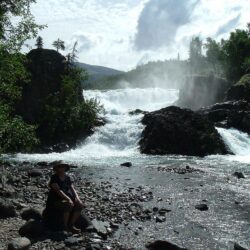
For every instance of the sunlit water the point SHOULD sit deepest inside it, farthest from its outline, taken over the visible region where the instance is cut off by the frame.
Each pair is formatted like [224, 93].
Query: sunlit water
[117, 141]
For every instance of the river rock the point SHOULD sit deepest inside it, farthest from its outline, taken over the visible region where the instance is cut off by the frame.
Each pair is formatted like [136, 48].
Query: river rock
[35, 173]
[239, 247]
[239, 175]
[101, 227]
[163, 245]
[21, 243]
[231, 114]
[32, 229]
[7, 209]
[31, 213]
[202, 207]
[173, 130]
[127, 164]
[240, 90]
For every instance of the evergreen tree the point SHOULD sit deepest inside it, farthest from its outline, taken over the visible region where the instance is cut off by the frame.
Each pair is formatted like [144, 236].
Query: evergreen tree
[59, 44]
[39, 42]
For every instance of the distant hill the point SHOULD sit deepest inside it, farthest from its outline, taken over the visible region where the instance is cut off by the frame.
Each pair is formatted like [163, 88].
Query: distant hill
[97, 73]
[168, 74]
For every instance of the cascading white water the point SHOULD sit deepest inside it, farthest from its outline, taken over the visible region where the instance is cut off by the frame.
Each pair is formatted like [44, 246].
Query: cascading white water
[238, 142]
[119, 136]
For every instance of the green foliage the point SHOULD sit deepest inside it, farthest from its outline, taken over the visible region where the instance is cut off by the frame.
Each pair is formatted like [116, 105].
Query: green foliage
[213, 55]
[59, 45]
[15, 134]
[236, 54]
[39, 42]
[66, 114]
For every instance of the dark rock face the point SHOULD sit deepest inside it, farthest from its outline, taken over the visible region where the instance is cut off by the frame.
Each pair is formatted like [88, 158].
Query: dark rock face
[20, 243]
[173, 130]
[7, 210]
[46, 67]
[241, 90]
[163, 245]
[201, 91]
[232, 114]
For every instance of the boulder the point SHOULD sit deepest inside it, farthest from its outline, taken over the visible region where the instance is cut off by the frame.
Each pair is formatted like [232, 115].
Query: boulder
[239, 175]
[173, 130]
[21, 243]
[32, 229]
[231, 114]
[202, 207]
[31, 213]
[126, 164]
[35, 173]
[163, 245]
[200, 91]
[7, 209]
[241, 90]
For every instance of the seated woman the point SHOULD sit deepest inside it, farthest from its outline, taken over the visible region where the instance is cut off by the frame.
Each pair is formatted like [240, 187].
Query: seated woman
[64, 198]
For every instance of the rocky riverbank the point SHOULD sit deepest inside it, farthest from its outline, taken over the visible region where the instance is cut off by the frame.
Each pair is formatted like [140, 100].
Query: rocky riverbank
[127, 212]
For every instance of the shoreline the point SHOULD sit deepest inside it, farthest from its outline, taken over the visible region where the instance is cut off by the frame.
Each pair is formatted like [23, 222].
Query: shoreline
[138, 206]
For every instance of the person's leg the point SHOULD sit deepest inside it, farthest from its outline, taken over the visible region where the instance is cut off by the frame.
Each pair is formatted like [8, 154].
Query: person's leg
[66, 209]
[75, 216]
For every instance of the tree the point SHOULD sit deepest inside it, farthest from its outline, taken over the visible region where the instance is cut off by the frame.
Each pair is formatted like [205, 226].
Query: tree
[39, 42]
[15, 134]
[195, 54]
[59, 44]
[213, 54]
[235, 55]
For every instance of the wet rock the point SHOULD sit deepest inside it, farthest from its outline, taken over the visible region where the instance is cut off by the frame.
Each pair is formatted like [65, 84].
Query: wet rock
[240, 90]
[31, 213]
[94, 246]
[7, 191]
[7, 209]
[84, 223]
[21, 243]
[239, 175]
[239, 247]
[166, 128]
[202, 207]
[126, 164]
[163, 211]
[71, 241]
[137, 112]
[163, 245]
[101, 227]
[231, 114]
[35, 173]
[32, 229]
[160, 219]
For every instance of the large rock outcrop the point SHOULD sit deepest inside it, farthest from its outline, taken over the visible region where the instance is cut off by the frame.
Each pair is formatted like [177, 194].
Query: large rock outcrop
[241, 90]
[202, 91]
[173, 130]
[232, 114]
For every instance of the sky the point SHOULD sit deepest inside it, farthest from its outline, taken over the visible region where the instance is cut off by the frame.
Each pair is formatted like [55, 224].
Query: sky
[122, 34]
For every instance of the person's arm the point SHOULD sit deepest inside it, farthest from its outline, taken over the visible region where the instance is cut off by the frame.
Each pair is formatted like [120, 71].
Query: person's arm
[57, 190]
[74, 192]
[77, 199]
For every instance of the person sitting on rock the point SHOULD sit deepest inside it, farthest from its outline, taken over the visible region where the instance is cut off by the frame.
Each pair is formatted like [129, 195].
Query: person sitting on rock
[64, 198]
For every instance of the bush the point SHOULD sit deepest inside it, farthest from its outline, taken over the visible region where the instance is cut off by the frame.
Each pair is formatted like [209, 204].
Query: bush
[15, 134]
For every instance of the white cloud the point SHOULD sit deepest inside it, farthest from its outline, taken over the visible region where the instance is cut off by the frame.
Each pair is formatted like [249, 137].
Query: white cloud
[106, 30]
